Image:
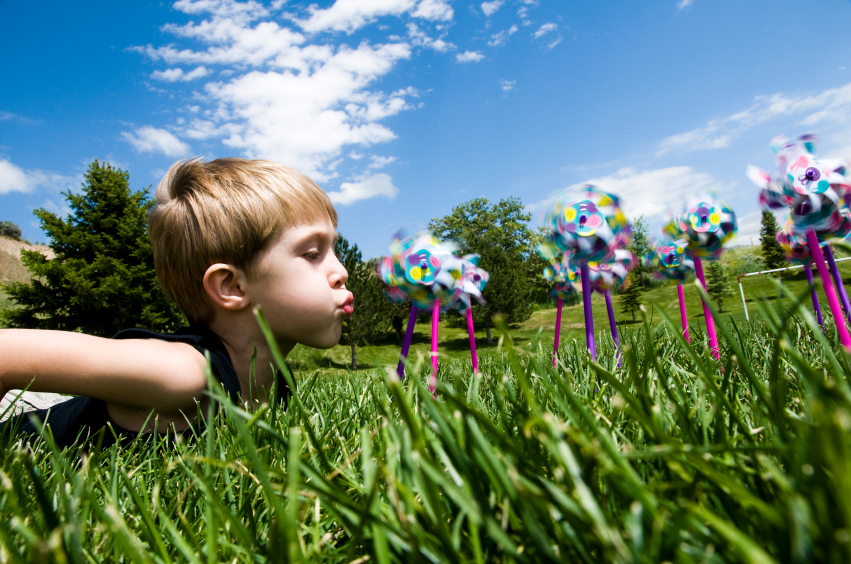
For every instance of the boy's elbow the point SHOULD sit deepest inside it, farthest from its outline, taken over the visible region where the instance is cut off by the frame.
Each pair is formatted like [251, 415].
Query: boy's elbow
[188, 384]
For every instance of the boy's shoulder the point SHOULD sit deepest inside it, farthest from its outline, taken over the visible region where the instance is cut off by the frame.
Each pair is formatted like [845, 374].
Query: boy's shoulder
[202, 339]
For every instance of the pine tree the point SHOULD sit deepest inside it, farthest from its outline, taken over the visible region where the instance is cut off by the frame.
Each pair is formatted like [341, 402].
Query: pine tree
[772, 252]
[718, 283]
[639, 247]
[102, 278]
[371, 308]
[631, 297]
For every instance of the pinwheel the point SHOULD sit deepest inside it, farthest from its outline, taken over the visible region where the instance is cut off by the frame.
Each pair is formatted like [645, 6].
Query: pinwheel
[471, 282]
[807, 187]
[563, 276]
[669, 259]
[604, 277]
[425, 271]
[797, 251]
[586, 230]
[705, 225]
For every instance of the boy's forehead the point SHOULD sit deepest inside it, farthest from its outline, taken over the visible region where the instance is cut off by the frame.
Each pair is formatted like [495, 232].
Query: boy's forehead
[317, 229]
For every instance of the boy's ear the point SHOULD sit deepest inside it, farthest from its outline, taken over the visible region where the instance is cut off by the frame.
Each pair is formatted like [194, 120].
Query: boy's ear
[225, 285]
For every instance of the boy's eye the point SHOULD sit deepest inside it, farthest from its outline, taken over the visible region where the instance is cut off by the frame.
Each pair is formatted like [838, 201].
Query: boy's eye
[313, 255]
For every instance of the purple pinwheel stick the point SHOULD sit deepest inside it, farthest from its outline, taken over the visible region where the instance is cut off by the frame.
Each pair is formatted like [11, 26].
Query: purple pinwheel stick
[710, 323]
[435, 323]
[816, 306]
[406, 344]
[829, 291]
[589, 315]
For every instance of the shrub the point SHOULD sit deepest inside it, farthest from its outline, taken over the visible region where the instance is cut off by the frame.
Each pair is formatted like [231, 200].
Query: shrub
[10, 230]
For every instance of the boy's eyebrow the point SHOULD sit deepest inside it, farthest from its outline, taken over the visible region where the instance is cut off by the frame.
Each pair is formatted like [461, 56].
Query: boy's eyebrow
[318, 233]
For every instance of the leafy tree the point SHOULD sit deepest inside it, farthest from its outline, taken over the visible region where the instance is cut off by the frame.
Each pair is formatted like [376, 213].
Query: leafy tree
[102, 279]
[631, 297]
[772, 252]
[498, 232]
[639, 246]
[371, 308]
[10, 230]
[718, 283]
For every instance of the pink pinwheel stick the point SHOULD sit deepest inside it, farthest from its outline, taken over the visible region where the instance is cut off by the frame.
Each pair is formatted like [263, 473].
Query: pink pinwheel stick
[472, 333]
[710, 323]
[558, 329]
[589, 316]
[613, 324]
[829, 291]
[837, 279]
[435, 322]
[816, 306]
[683, 317]
[406, 344]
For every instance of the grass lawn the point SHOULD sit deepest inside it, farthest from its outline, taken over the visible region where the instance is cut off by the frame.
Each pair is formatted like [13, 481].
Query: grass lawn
[454, 342]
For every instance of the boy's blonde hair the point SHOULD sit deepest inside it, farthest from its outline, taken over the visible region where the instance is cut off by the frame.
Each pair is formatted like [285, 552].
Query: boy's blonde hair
[224, 211]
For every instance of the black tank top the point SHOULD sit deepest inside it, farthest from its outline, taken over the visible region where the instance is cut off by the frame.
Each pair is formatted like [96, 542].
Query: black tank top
[87, 418]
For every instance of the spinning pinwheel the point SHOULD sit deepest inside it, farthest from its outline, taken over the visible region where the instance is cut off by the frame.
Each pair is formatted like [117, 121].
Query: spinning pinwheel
[808, 187]
[563, 276]
[425, 271]
[705, 225]
[670, 261]
[586, 230]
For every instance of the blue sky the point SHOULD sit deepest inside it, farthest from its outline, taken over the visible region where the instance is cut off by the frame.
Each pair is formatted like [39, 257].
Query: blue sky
[401, 109]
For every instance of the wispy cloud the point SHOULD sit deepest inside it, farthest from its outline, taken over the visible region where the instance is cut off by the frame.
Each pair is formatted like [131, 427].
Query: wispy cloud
[469, 57]
[351, 15]
[831, 106]
[366, 187]
[15, 179]
[545, 29]
[174, 75]
[684, 4]
[501, 38]
[507, 85]
[419, 38]
[149, 139]
[490, 8]
[647, 192]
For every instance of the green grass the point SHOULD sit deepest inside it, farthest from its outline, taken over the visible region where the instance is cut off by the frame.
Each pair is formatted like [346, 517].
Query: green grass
[671, 458]
[454, 342]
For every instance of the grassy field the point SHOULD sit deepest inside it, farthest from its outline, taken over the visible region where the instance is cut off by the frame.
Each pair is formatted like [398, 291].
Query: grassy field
[454, 342]
[671, 458]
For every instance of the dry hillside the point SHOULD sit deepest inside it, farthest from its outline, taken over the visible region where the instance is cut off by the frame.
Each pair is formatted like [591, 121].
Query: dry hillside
[11, 267]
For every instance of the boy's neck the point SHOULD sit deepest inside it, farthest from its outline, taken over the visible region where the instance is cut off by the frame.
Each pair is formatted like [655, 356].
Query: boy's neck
[240, 335]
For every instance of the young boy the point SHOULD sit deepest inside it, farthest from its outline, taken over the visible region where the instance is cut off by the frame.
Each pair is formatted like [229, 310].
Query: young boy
[229, 235]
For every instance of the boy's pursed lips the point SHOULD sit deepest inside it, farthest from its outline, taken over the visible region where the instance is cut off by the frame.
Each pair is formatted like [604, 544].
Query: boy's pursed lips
[348, 305]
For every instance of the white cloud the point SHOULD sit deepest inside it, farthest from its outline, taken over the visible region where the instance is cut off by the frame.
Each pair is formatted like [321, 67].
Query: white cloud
[749, 226]
[469, 57]
[507, 85]
[174, 75]
[545, 29]
[647, 192]
[351, 15]
[832, 106]
[420, 39]
[367, 187]
[291, 99]
[15, 179]
[501, 38]
[149, 139]
[490, 8]
[380, 162]
[684, 4]
[555, 42]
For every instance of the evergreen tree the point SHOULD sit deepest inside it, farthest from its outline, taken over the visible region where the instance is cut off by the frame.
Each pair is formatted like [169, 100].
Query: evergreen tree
[10, 229]
[631, 297]
[772, 252]
[498, 232]
[371, 308]
[102, 279]
[718, 283]
[639, 246]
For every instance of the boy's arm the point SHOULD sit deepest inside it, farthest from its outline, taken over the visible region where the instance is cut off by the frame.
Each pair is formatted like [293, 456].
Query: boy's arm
[145, 373]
